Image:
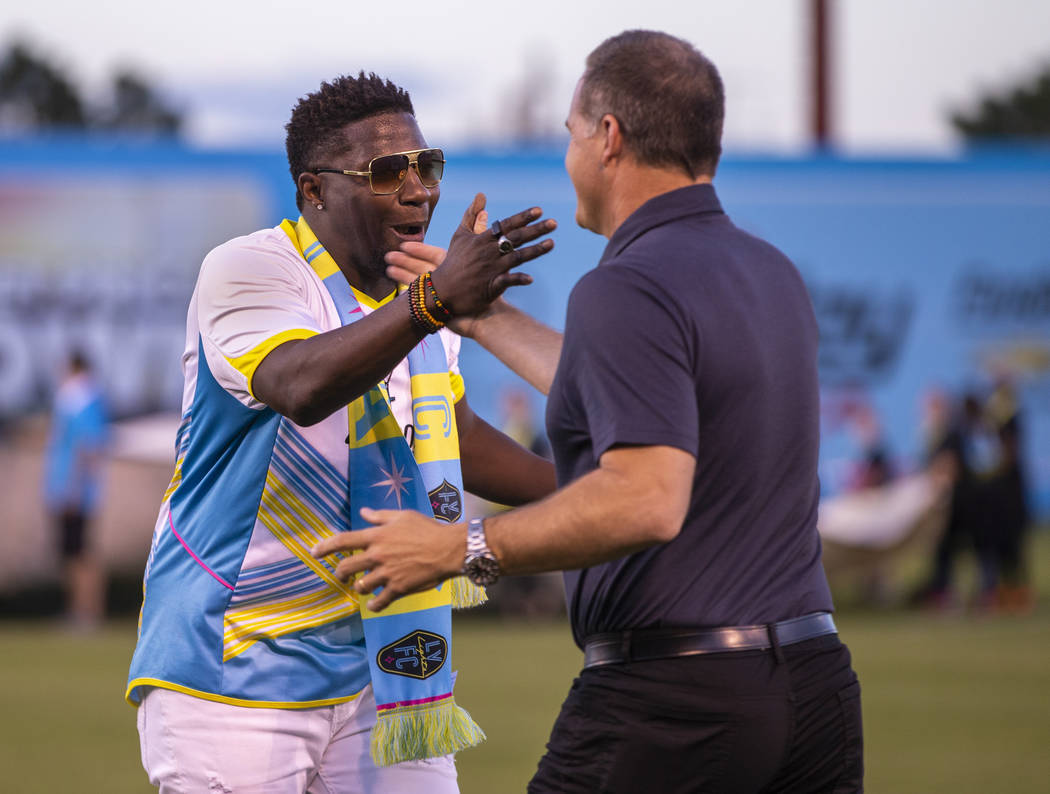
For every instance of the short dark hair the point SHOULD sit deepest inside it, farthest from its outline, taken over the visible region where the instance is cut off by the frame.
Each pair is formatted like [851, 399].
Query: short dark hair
[667, 97]
[318, 117]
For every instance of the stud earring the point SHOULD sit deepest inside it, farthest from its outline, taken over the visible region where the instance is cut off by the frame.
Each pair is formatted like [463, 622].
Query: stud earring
[319, 206]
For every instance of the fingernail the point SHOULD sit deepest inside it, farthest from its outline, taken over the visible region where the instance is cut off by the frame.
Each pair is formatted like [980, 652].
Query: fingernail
[316, 550]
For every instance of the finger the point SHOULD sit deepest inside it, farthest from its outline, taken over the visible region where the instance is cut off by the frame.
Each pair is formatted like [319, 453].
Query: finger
[471, 215]
[504, 281]
[351, 566]
[403, 276]
[519, 220]
[481, 223]
[368, 583]
[343, 541]
[414, 265]
[521, 255]
[432, 254]
[381, 601]
[379, 517]
[532, 231]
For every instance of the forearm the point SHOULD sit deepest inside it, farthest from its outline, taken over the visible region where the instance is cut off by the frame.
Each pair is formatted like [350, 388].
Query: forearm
[527, 346]
[497, 468]
[606, 514]
[308, 380]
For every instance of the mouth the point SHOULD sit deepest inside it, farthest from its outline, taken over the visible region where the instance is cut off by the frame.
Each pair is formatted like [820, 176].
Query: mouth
[407, 232]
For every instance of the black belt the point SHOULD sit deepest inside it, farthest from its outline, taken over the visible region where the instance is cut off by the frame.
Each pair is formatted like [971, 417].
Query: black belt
[641, 645]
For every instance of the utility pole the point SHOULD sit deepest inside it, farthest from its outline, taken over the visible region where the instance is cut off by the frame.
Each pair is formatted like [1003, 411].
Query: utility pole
[820, 68]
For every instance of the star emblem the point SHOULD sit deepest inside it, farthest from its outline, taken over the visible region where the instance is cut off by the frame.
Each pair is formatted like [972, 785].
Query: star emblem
[396, 482]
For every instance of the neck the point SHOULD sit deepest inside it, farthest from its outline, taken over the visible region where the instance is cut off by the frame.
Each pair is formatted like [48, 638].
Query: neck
[631, 185]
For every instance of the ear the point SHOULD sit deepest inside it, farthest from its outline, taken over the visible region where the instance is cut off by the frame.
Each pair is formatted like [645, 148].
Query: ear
[613, 146]
[310, 186]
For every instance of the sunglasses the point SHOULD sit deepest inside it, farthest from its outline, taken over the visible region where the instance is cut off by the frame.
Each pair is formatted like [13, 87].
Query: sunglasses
[388, 172]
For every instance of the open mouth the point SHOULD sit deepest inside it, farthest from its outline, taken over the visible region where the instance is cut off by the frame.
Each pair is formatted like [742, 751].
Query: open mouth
[409, 231]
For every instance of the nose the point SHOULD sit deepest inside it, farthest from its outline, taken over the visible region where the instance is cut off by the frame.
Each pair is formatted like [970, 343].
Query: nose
[414, 191]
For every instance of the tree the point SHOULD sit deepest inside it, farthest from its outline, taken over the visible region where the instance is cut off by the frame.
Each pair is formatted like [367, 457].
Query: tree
[1022, 111]
[35, 94]
[136, 107]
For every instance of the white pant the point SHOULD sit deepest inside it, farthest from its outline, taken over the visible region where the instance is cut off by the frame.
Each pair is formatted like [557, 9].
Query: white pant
[194, 745]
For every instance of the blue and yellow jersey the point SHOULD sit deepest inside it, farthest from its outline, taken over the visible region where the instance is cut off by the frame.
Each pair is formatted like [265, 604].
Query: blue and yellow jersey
[235, 609]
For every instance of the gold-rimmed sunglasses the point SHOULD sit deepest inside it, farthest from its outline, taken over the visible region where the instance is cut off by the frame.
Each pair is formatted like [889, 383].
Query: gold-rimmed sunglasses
[387, 172]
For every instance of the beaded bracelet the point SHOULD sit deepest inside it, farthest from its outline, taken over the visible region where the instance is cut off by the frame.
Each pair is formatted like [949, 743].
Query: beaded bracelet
[423, 302]
[444, 315]
[423, 319]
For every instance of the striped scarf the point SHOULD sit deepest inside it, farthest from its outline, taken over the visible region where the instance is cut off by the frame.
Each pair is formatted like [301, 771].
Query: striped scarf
[409, 643]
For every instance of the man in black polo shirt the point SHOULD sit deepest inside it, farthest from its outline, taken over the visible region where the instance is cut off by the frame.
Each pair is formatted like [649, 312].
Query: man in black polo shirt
[683, 415]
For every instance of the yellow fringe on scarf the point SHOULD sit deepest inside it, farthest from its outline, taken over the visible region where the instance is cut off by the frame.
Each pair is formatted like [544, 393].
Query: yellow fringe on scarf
[466, 594]
[408, 733]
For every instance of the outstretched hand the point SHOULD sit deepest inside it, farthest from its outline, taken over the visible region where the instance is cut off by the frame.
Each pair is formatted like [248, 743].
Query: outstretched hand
[404, 553]
[474, 272]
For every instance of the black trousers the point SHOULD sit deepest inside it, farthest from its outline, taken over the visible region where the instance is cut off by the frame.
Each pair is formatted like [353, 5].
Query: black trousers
[747, 721]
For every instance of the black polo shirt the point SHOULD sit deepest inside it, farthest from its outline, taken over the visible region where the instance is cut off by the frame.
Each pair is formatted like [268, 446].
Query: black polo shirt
[693, 334]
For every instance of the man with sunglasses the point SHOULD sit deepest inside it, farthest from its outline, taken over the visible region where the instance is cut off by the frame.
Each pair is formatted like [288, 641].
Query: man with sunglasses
[683, 413]
[315, 387]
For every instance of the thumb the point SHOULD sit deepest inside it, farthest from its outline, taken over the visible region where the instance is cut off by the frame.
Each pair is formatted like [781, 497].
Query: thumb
[481, 223]
[477, 206]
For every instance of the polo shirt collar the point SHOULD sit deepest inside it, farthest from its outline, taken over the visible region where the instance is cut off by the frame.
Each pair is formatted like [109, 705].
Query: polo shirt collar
[667, 207]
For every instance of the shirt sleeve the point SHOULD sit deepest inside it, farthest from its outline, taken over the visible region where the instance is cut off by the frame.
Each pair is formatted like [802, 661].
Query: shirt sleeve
[249, 301]
[451, 341]
[630, 356]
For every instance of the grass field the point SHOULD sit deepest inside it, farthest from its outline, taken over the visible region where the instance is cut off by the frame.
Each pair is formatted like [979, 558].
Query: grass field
[952, 703]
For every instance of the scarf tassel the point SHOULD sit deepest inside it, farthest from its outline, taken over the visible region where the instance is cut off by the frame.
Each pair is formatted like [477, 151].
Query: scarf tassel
[408, 733]
[466, 594]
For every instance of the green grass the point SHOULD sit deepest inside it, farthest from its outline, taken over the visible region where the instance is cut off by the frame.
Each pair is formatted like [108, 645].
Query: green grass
[951, 703]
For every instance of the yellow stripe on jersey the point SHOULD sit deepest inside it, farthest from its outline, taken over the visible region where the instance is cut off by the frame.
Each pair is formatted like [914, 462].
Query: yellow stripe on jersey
[242, 630]
[248, 363]
[257, 704]
[458, 388]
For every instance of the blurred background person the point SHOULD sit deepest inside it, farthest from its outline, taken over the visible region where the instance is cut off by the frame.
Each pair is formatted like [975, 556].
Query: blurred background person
[1008, 512]
[518, 423]
[73, 465]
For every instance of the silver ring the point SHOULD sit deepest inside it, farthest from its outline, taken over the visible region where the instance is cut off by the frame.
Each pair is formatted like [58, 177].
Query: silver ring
[505, 245]
[497, 229]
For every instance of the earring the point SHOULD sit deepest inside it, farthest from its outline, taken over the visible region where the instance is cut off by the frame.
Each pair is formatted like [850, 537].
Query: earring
[319, 206]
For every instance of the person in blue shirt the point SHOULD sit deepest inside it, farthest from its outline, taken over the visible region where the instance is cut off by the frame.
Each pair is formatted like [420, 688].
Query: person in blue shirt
[72, 474]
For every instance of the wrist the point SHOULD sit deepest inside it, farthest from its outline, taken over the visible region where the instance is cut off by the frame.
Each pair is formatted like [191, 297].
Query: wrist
[441, 288]
[479, 561]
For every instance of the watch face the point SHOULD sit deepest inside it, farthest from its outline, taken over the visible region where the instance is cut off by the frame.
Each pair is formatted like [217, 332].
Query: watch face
[482, 571]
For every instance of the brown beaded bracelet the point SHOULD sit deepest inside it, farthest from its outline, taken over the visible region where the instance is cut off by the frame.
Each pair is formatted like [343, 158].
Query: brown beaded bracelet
[423, 319]
[444, 315]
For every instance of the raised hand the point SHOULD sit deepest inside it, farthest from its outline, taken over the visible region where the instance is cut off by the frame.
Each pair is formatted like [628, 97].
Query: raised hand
[475, 272]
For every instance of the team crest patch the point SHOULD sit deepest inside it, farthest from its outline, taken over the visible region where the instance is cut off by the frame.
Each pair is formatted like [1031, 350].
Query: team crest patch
[446, 502]
[416, 655]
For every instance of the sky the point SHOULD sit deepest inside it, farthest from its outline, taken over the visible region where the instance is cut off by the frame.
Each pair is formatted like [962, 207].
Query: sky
[236, 67]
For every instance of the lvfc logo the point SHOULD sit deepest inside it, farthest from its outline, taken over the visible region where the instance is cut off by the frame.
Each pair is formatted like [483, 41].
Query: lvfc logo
[416, 655]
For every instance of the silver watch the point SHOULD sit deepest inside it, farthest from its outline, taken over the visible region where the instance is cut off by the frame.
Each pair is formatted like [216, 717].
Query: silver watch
[480, 564]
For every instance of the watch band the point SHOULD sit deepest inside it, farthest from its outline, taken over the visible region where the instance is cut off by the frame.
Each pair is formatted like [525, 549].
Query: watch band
[479, 564]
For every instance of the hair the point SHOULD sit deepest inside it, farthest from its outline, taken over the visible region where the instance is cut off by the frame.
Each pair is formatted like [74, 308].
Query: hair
[667, 97]
[318, 118]
[78, 361]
